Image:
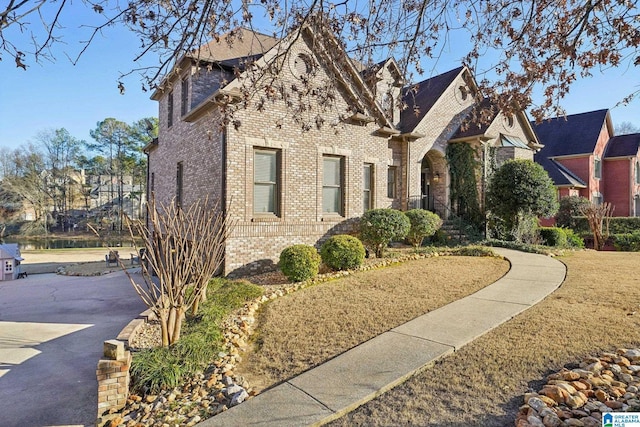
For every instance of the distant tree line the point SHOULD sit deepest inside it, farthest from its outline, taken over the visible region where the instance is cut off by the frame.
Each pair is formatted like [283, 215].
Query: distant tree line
[47, 177]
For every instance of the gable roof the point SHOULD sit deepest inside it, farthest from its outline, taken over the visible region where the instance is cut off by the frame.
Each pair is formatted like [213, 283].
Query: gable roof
[421, 97]
[570, 135]
[10, 251]
[623, 146]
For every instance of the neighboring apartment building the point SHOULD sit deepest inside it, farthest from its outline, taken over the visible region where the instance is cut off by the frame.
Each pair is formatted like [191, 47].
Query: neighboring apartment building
[584, 158]
[283, 181]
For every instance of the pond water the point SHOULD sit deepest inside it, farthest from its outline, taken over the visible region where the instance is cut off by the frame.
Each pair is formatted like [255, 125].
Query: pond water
[38, 244]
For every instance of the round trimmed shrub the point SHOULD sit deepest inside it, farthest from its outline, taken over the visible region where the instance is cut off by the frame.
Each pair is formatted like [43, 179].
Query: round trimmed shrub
[553, 236]
[342, 252]
[299, 262]
[424, 223]
[378, 227]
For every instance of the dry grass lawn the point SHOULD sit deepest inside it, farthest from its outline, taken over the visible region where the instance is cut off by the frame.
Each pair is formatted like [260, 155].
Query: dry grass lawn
[597, 309]
[310, 326]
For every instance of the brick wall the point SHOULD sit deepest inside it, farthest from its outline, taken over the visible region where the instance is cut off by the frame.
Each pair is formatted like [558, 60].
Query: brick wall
[113, 377]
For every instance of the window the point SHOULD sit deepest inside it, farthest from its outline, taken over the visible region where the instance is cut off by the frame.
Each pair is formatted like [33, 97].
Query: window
[392, 178]
[636, 205]
[152, 182]
[184, 94]
[597, 198]
[302, 65]
[179, 182]
[637, 172]
[367, 185]
[332, 185]
[597, 168]
[266, 182]
[170, 110]
[8, 266]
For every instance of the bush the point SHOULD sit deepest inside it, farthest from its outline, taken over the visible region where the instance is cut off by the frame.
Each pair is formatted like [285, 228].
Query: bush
[378, 227]
[573, 239]
[423, 224]
[342, 252]
[553, 236]
[628, 242]
[299, 262]
[570, 207]
[519, 192]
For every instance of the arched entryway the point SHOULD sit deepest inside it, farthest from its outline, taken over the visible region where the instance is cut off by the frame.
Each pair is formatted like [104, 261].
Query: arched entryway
[433, 182]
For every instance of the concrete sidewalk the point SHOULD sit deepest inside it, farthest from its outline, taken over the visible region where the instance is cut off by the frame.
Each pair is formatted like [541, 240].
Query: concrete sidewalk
[342, 384]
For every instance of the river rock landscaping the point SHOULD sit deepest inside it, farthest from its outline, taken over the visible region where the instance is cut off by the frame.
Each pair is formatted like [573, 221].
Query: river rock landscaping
[579, 394]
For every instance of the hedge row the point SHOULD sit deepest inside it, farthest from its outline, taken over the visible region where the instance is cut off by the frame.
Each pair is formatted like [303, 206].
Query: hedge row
[617, 225]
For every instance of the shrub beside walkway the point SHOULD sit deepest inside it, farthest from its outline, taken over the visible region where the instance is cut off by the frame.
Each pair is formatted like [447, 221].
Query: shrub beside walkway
[357, 376]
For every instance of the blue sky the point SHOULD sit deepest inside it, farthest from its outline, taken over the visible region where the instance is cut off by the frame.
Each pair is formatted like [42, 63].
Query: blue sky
[55, 95]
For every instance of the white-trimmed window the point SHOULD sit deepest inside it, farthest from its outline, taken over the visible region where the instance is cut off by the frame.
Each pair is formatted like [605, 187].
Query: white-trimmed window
[333, 185]
[636, 205]
[392, 179]
[637, 172]
[266, 181]
[597, 168]
[8, 266]
[367, 186]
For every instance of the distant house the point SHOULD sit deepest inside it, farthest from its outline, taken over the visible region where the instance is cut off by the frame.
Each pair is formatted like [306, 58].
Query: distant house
[584, 158]
[283, 184]
[621, 174]
[10, 259]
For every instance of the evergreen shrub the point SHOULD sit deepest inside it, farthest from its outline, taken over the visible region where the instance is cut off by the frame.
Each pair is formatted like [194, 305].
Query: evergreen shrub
[342, 252]
[299, 262]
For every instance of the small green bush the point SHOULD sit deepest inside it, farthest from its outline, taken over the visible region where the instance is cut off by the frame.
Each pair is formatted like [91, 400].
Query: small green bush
[628, 242]
[573, 239]
[378, 227]
[342, 252]
[553, 236]
[478, 251]
[423, 224]
[299, 262]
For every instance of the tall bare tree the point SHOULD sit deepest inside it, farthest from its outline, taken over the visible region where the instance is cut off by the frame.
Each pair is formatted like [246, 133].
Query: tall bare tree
[183, 249]
[514, 46]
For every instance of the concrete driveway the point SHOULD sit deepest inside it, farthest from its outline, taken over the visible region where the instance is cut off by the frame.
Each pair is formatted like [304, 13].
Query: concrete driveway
[51, 333]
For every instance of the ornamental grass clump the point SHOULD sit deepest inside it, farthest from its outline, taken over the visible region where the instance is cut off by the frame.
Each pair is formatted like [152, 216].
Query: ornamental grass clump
[342, 252]
[299, 262]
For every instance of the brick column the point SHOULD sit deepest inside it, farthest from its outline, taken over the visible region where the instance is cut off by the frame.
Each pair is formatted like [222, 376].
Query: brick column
[113, 377]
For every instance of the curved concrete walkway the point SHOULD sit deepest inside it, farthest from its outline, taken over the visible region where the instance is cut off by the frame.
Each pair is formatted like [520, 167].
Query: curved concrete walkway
[340, 385]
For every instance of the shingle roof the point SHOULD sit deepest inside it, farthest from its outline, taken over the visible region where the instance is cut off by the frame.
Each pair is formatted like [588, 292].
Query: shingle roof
[240, 43]
[471, 127]
[574, 134]
[560, 175]
[420, 97]
[623, 145]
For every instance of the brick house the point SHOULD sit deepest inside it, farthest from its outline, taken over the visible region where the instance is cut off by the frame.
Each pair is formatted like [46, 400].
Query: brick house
[305, 159]
[584, 158]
